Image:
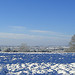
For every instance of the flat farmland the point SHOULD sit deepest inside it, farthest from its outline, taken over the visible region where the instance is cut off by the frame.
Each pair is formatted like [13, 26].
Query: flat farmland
[37, 63]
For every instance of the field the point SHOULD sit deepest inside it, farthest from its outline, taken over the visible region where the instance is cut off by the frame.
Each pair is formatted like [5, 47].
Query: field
[37, 64]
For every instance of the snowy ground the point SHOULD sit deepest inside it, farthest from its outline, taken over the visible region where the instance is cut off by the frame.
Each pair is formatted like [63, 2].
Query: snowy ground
[36, 68]
[37, 64]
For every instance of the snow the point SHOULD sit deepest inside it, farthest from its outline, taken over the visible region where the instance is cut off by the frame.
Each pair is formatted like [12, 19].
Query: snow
[36, 68]
[18, 65]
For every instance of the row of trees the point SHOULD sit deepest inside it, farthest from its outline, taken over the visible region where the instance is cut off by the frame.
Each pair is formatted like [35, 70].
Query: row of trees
[24, 48]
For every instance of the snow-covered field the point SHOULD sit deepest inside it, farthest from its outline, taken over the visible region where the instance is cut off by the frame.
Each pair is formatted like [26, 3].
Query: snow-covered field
[37, 64]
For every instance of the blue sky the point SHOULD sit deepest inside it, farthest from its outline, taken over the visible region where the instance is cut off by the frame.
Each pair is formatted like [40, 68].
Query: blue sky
[37, 22]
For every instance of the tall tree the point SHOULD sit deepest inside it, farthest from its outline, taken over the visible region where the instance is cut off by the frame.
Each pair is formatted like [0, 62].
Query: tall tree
[72, 45]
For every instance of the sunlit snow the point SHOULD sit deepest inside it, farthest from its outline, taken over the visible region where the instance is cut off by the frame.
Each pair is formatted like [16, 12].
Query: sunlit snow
[33, 64]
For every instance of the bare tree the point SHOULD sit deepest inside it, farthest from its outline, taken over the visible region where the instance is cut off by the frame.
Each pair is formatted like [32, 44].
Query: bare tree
[24, 48]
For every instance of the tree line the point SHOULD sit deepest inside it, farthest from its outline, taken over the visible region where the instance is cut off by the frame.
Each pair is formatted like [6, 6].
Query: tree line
[25, 48]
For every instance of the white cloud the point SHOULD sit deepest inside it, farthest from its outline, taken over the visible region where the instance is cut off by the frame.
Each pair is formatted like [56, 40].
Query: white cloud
[39, 31]
[17, 28]
[34, 37]
[28, 36]
[21, 29]
[13, 38]
[50, 33]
